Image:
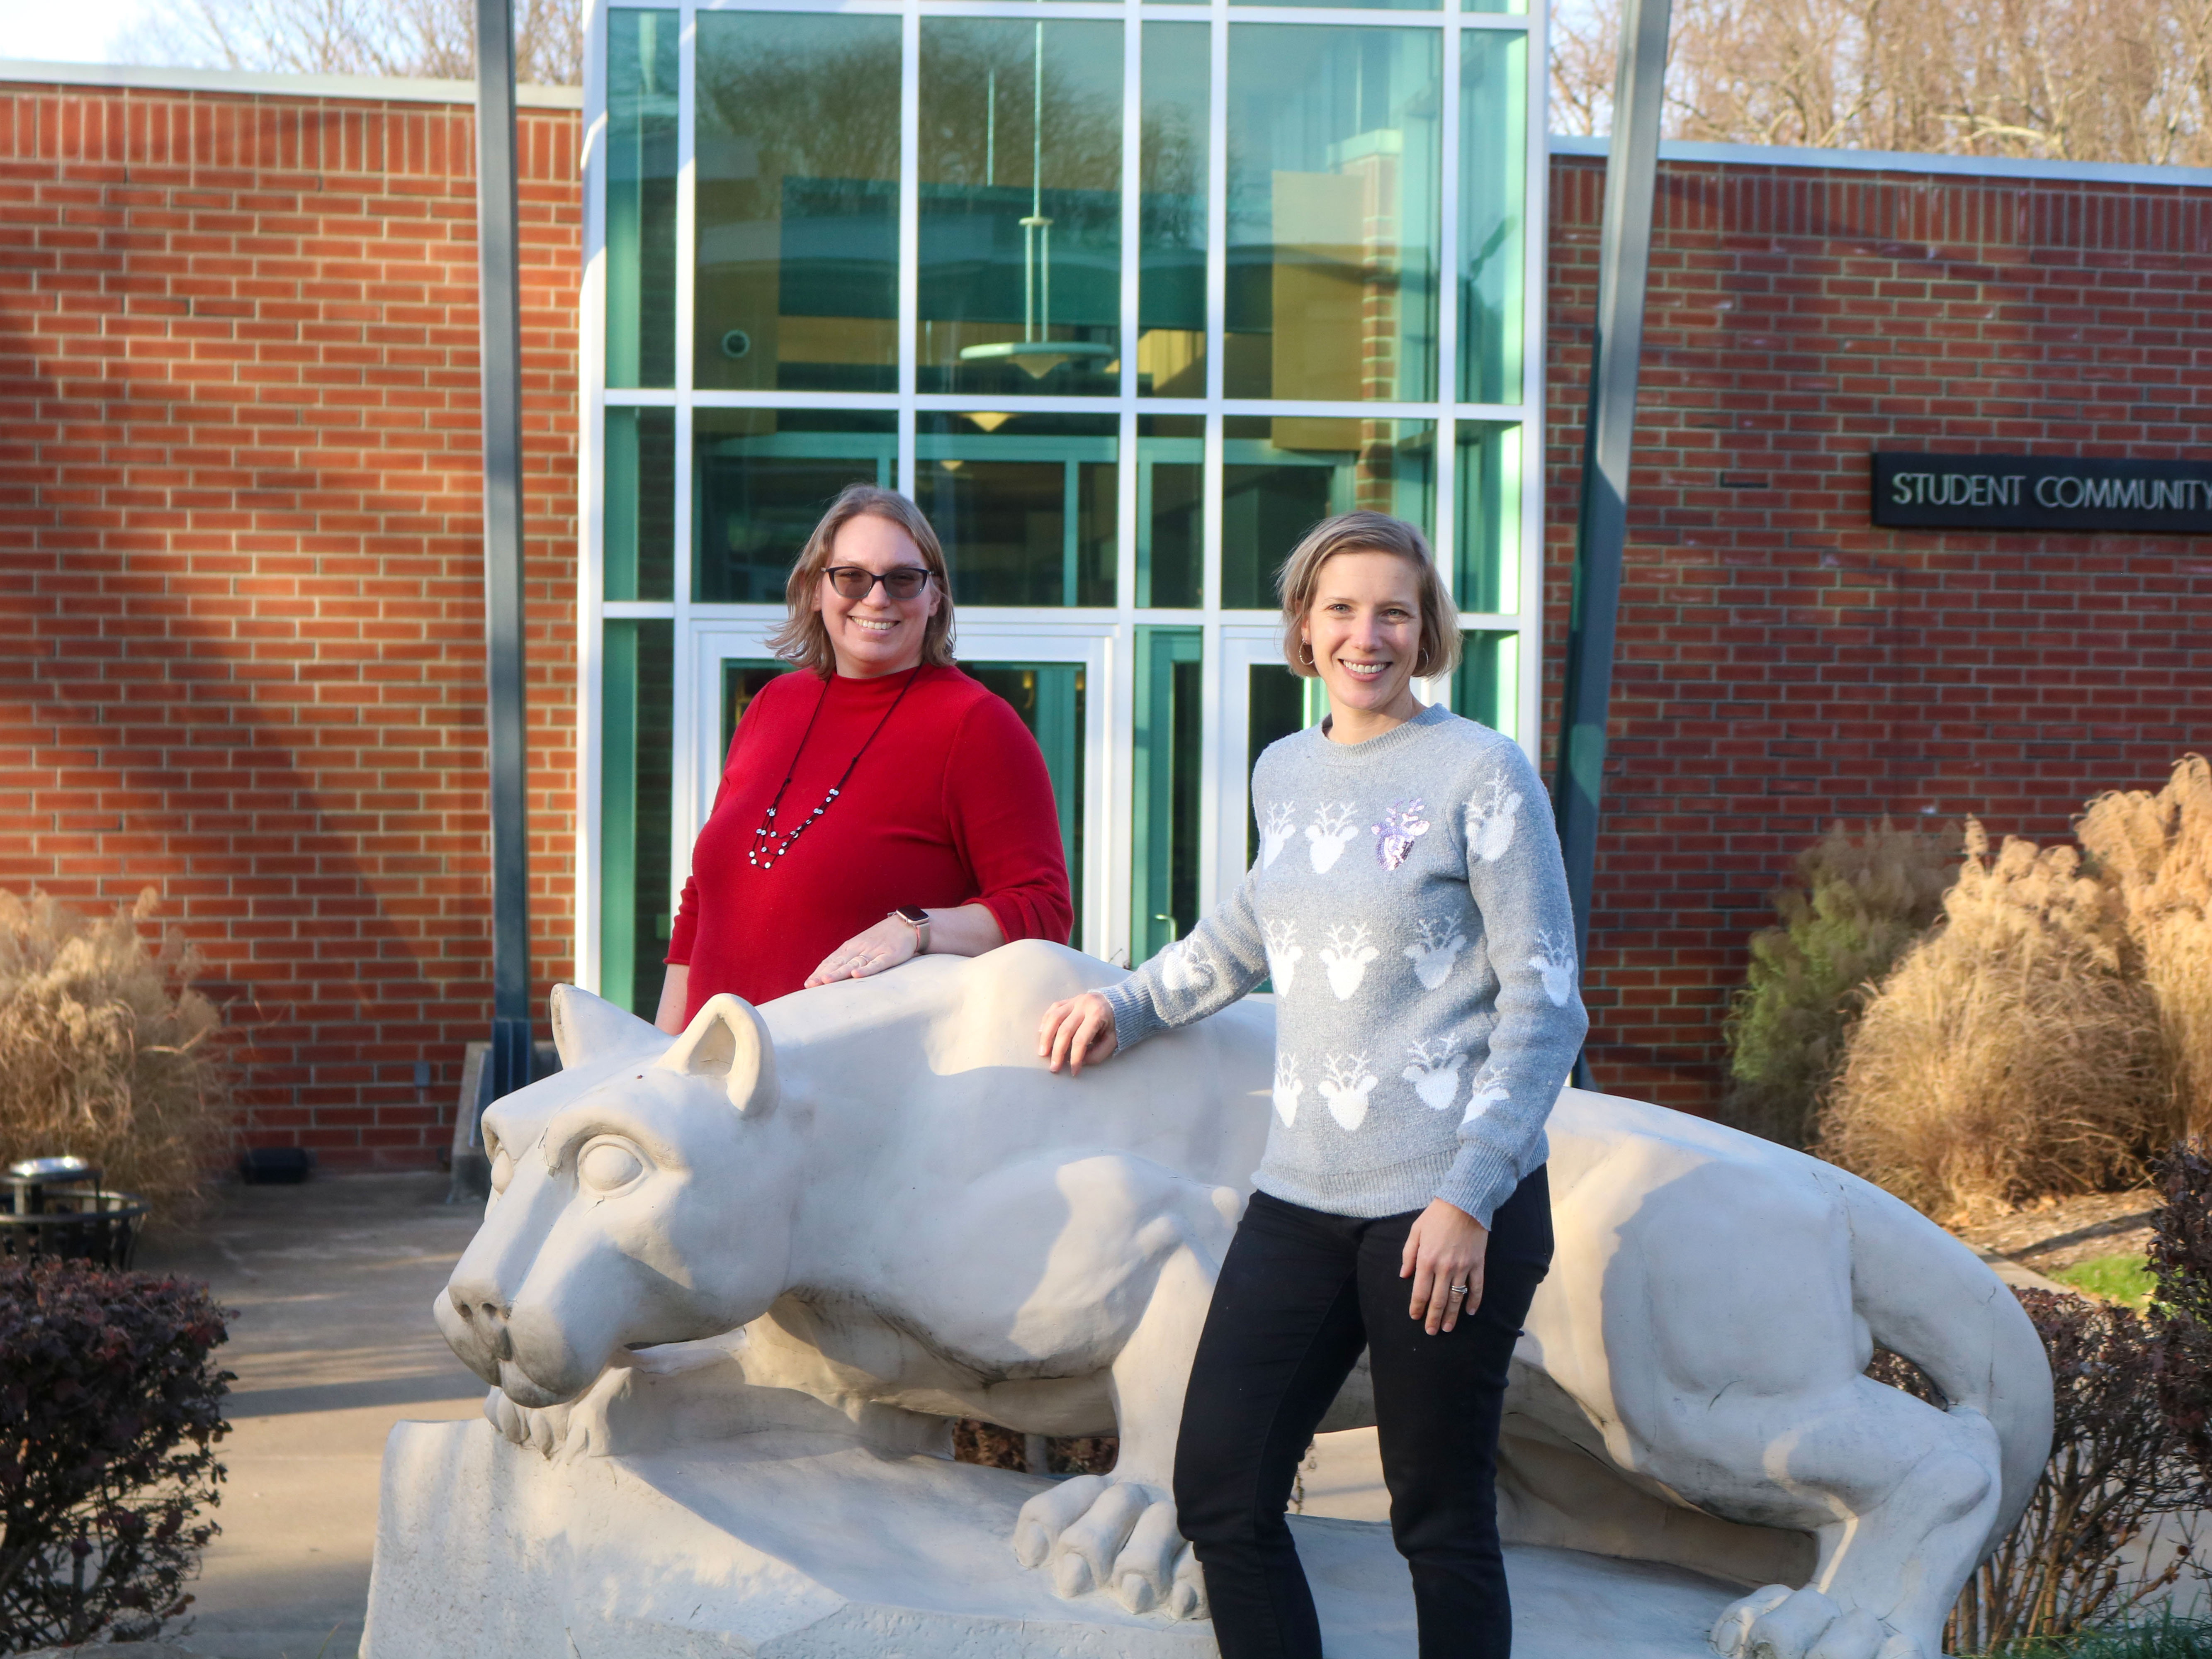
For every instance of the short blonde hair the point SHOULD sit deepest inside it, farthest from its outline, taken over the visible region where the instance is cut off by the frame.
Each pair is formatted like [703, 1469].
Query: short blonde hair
[804, 639]
[1370, 532]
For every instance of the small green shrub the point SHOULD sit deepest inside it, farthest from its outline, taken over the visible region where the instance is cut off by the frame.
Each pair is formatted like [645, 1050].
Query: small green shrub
[2181, 1311]
[2161, 1638]
[110, 1407]
[1857, 904]
[2124, 1277]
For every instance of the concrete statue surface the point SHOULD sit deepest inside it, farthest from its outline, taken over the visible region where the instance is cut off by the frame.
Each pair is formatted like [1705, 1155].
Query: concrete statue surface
[731, 1287]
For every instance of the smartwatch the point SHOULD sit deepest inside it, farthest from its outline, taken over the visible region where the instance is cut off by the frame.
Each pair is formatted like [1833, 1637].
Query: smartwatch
[918, 919]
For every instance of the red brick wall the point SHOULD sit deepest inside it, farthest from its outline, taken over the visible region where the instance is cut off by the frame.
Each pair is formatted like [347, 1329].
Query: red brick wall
[1781, 663]
[240, 591]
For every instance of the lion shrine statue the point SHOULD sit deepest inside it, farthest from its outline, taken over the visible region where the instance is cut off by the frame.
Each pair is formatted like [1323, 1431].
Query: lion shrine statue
[861, 1211]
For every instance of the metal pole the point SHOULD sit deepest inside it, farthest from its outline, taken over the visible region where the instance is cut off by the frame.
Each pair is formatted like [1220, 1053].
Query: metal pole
[500, 325]
[1608, 436]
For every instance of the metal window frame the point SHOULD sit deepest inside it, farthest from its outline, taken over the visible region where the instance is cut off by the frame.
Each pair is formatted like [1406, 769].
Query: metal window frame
[1040, 632]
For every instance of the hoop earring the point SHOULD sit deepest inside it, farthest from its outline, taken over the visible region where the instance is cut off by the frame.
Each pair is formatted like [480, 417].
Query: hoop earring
[1306, 646]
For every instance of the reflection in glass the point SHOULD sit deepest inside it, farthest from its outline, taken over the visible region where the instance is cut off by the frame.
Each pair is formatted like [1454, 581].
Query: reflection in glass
[1021, 206]
[1514, 8]
[1048, 697]
[641, 263]
[1171, 212]
[1163, 859]
[638, 548]
[743, 679]
[1279, 703]
[1281, 475]
[1485, 685]
[1171, 511]
[798, 202]
[1487, 568]
[1333, 212]
[1025, 504]
[1493, 181]
[637, 683]
[763, 478]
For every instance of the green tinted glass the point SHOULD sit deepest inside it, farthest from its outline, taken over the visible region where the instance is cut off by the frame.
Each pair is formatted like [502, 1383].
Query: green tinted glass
[1025, 504]
[1165, 781]
[638, 545]
[1171, 212]
[1281, 475]
[1171, 511]
[763, 478]
[798, 202]
[1485, 686]
[1049, 698]
[637, 703]
[1020, 281]
[1493, 183]
[1333, 167]
[640, 173]
[1486, 570]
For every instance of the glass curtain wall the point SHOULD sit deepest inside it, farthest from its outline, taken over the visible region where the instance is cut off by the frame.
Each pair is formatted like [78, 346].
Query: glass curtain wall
[1125, 294]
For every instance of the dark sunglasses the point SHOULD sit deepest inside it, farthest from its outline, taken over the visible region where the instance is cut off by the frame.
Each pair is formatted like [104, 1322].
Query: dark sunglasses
[856, 581]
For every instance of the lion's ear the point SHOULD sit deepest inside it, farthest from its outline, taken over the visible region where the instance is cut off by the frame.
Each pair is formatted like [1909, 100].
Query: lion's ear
[728, 1040]
[587, 1028]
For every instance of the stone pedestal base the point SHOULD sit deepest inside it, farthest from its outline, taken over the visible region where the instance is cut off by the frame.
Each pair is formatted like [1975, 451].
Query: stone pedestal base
[786, 1544]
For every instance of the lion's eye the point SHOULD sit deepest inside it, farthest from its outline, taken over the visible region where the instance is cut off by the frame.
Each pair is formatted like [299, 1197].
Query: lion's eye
[502, 1170]
[608, 1166]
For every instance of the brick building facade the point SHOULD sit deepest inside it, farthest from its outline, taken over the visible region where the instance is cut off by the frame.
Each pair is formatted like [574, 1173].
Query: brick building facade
[239, 519]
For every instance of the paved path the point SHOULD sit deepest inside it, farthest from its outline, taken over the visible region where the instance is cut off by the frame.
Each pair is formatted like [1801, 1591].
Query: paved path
[333, 1343]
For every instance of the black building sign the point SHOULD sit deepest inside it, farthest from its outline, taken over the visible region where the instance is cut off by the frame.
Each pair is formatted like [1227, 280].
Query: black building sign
[2042, 492]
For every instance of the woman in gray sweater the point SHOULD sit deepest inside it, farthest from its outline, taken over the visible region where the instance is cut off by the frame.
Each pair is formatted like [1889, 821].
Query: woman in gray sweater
[1409, 904]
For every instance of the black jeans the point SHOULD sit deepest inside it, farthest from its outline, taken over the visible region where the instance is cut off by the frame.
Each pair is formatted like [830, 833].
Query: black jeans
[1301, 1292]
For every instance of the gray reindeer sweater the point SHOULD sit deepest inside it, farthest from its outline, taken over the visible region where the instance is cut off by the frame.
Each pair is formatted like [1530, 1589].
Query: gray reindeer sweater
[1409, 903]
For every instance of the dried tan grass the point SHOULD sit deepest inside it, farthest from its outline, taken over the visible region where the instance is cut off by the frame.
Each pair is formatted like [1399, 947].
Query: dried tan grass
[2011, 1053]
[106, 1051]
[2156, 850]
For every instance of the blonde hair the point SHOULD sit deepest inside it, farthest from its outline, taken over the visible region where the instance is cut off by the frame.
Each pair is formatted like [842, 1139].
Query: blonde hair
[1369, 533]
[804, 639]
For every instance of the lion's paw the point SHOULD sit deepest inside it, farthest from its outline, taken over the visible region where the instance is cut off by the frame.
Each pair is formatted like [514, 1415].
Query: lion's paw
[546, 1429]
[1096, 1532]
[1780, 1623]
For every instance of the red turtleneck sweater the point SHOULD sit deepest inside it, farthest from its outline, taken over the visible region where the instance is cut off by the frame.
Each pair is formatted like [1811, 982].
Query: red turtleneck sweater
[950, 806]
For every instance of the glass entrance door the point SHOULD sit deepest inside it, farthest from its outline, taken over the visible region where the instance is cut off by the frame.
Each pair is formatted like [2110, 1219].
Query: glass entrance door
[1052, 681]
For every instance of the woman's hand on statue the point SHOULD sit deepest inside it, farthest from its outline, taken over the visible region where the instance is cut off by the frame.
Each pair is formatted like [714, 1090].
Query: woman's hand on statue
[886, 944]
[1078, 1030]
[1445, 1248]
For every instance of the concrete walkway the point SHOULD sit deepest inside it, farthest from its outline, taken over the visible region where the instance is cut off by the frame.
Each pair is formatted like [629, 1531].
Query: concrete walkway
[331, 1283]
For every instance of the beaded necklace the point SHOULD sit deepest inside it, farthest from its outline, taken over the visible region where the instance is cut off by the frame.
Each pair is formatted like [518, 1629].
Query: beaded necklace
[763, 857]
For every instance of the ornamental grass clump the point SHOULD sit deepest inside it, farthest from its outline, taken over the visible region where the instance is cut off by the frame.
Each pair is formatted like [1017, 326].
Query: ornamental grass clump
[106, 1051]
[2010, 1055]
[2053, 1034]
[1857, 904]
[111, 1405]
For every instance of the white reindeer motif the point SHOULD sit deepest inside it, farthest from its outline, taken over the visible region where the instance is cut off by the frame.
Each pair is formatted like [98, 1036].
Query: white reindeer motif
[1347, 1088]
[1489, 1090]
[1346, 956]
[1275, 832]
[1555, 961]
[1182, 968]
[1283, 955]
[1329, 834]
[1438, 950]
[1490, 821]
[1288, 1087]
[1434, 1071]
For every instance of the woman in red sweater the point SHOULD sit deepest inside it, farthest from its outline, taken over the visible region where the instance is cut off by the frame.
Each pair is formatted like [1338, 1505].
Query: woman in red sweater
[877, 804]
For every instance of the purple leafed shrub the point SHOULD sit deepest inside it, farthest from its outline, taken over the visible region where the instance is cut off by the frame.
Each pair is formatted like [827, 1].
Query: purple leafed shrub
[110, 1407]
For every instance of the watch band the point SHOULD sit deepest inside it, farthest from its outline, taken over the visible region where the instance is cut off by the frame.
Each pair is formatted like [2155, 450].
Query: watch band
[918, 919]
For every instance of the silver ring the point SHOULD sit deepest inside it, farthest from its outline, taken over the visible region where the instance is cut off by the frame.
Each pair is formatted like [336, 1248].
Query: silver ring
[1459, 1290]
